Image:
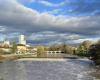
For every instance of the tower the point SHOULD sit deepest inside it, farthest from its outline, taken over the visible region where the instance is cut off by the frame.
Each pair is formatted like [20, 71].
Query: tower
[22, 40]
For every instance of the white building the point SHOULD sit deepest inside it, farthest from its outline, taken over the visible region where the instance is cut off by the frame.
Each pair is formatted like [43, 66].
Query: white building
[22, 40]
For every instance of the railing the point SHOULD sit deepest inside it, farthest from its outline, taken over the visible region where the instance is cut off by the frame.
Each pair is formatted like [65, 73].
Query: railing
[53, 52]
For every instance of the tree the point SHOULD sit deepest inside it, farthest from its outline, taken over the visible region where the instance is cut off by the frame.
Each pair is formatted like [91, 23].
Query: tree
[54, 48]
[66, 49]
[14, 47]
[86, 44]
[63, 48]
[95, 52]
[1, 51]
[41, 51]
[83, 49]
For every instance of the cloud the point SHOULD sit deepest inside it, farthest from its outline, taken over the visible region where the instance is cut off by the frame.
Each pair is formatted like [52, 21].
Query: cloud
[16, 18]
[95, 39]
[70, 7]
[2, 29]
[55, 11]
[48, 4]
[85, 6]
[49, 37]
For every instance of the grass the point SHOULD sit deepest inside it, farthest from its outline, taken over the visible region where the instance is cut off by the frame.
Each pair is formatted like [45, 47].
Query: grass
[2, 58]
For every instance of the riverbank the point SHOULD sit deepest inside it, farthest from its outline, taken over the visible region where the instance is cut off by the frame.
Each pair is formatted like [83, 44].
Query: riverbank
[41, 59]
[52, 59]
[27, 58]
[2, 58]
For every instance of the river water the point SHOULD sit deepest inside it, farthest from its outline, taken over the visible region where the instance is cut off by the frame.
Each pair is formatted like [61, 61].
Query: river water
[69, 69]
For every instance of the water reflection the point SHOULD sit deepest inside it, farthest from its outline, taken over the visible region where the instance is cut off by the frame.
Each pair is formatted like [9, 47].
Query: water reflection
[70, 69]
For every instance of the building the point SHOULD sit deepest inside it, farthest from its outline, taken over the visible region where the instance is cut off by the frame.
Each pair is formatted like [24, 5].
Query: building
[32, 50]
[21, 49]
[22, 40]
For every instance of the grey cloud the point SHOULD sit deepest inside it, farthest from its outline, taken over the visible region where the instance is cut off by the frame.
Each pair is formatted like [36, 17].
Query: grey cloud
[14, 17]
[19, 18]
[51, 37]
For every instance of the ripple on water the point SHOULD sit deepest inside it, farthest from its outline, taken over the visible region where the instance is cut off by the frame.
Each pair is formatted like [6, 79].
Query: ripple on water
[34, 70]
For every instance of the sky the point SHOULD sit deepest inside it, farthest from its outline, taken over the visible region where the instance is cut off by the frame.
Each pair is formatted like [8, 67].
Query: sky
[47, 22]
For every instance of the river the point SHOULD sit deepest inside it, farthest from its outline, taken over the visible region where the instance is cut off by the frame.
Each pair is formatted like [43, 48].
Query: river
[68, 69]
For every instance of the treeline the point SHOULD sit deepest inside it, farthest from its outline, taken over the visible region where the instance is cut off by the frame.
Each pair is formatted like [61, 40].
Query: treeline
[81, 50]
[95, 52]
[65, 49]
